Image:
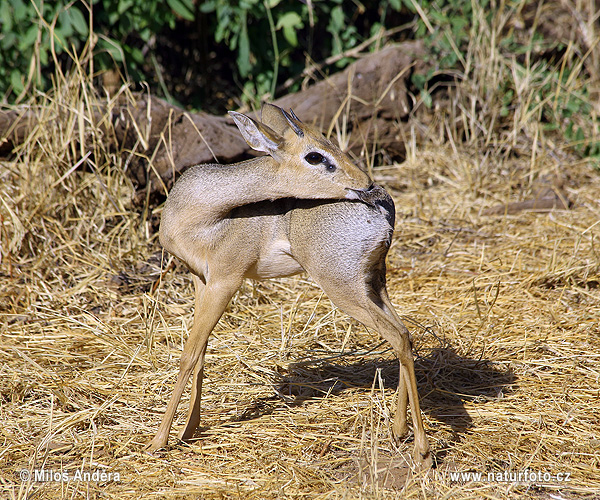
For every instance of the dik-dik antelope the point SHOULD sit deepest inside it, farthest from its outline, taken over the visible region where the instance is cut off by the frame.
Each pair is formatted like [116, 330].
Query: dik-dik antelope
[303, 207]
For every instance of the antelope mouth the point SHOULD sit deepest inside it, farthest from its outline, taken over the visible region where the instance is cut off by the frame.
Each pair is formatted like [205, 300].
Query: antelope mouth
[366, 195]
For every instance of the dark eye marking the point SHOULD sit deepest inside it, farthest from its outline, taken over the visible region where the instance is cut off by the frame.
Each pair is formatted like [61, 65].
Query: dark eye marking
[315, 158]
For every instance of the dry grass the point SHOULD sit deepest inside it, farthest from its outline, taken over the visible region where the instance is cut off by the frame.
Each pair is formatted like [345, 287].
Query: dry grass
[297, 398]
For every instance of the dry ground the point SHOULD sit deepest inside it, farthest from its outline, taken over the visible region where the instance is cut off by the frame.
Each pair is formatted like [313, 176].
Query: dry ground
[297, 402]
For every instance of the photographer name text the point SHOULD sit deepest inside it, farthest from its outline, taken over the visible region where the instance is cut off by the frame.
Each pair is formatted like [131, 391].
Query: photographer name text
[49, 476]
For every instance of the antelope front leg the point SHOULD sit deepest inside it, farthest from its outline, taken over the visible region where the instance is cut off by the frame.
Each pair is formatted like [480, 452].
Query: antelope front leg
[393, 330]
[422, 452]
[211, 306]
[193, 416]
[399, 427]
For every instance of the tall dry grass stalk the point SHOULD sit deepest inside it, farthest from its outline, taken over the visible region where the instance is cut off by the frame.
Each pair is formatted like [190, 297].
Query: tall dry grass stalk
[66, 202]
[506, 103]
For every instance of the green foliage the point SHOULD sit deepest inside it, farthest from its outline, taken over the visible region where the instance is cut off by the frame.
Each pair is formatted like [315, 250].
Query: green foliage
[573, 110]
[37, 28]
[272, 38]
[35, 35]
[271, 42]
[127, 28]
[452, 28]
[446, 28]
[554, 97]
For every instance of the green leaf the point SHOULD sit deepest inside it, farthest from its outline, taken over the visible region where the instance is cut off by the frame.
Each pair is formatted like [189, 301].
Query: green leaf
[189, 4]
[21, 10]
[289, 22]
[60, 42]
[247, 4]
[16, 80]
[124, 5]
[8, 41]
[206, 7]
[426, 97]
[112, 47]
[44, 49]
[243, 61]
[113, 18]
[6, 17]
[550, 126]
[419, 80]
[460, 22]
[64, 25]
[28, 39]
[289, 19]
[223, 32]
[146, 34]
[78, 21]
[411, 6]
[438, 17]
[336, 21]
[181, 9]
[135, 54]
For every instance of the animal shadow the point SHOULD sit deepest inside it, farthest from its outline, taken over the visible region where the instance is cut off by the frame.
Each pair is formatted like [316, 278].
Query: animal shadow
[445, 380]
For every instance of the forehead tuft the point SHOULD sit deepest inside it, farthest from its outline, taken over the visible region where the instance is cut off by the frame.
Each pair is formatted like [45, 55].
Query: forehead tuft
[319, 139]
[312, 137]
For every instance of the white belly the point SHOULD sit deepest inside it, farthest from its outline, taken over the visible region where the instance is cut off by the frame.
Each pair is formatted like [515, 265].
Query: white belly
[275, 262]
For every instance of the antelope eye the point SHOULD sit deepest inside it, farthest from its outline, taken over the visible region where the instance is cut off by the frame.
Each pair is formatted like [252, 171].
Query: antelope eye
[314, 158]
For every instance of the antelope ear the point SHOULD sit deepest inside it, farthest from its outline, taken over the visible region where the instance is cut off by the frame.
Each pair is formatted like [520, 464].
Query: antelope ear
[280, 120]
[273, 116]
[257, 135]
[294, 122]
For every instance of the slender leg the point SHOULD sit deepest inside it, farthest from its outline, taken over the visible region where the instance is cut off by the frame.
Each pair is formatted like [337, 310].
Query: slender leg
[422, 452]
[397, 335]
[193, 416]
[371, 309]
[213, 302]
[399, 427]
